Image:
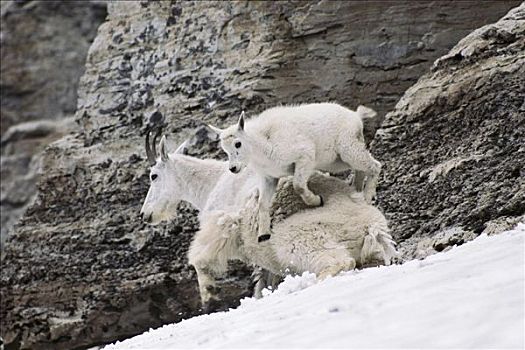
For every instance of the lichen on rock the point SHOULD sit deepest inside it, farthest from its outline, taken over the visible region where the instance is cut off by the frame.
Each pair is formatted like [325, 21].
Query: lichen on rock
[453, 145]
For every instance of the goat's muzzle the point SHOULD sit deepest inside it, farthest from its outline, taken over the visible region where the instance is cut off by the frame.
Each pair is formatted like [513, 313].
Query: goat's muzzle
[235, 169]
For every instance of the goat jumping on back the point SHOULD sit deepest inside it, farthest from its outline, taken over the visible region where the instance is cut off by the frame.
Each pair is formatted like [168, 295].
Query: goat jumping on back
[354, 233]
[297, 140]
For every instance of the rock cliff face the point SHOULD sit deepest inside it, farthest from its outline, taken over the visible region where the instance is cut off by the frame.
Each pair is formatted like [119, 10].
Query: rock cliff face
[453, 147]
[44, 48]
[81, 268]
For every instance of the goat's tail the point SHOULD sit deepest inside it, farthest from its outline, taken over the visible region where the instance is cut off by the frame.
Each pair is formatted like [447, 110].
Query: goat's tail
[365, 112]
[378, 245]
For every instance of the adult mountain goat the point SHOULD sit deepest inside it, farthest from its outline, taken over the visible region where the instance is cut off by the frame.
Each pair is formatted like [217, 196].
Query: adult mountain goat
[297, 140]
[344, 233]
[205, 183]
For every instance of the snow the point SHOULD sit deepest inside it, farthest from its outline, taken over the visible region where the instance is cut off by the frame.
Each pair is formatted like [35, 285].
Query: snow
[471, 296]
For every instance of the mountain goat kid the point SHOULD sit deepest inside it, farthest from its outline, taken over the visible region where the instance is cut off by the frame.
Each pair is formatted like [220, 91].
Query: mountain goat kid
[296, 140]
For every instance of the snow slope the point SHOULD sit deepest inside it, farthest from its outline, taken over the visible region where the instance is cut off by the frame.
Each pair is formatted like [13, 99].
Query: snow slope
[469, 297]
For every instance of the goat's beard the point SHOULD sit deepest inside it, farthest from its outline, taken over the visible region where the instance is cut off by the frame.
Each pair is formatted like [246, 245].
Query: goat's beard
[167, 213]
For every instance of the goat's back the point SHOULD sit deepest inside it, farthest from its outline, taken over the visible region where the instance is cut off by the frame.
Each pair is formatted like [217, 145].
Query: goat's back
[315, 121]
[345, 221]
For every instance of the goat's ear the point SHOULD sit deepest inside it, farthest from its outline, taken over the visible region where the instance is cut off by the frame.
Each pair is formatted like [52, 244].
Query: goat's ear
[163, 149]
[214, 129]
[240, 125]
[183, 148]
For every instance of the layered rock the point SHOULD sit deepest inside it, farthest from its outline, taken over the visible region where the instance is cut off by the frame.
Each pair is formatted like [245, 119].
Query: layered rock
[44, 47]
[81, 268]
[453, 147]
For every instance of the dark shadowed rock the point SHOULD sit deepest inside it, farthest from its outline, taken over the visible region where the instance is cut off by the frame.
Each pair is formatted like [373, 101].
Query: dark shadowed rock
[453, 148]
[81, 268]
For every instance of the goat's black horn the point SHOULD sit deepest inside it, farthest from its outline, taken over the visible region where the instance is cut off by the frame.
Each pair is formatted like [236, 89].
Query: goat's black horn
[149, 152]
[154, 144]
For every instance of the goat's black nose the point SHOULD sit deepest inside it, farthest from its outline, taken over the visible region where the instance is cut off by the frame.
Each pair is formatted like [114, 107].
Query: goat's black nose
[233, 169]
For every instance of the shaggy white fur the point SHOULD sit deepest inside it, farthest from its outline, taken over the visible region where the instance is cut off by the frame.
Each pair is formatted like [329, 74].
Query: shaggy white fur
[205, 183]
[297, 140]
[344, 233]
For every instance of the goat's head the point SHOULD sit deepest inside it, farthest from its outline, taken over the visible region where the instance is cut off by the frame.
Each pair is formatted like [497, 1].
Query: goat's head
[235, 143]
[162, 198]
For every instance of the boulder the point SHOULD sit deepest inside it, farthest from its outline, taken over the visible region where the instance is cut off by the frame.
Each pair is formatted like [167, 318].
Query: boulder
[453, 148]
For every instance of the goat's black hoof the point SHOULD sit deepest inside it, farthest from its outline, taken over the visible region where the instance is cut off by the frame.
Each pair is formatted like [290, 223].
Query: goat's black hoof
[322, 201]
[263, 238]
[213, 305]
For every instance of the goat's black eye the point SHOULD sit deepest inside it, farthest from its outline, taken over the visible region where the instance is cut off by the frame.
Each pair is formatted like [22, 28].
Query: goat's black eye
[154, 176]
[237, 144]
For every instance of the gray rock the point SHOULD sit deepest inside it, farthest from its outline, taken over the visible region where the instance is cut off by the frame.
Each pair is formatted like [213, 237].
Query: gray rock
[453, 148]
[20, 162]
[44, 47]
[81, 268]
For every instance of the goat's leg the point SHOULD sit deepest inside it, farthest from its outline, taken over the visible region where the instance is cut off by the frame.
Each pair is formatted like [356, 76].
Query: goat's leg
[333, 270]
[264, 279]
[303, 170]
[274, 280]
[208, 289]
[371, 184]
[359, 176]
[359, 180]
[330, 262]
[259, 277]
[358, 158]
[265, 202]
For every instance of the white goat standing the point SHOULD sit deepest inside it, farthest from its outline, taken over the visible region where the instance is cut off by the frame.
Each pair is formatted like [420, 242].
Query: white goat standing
[205, 183]
[324, 240]
[297, 140]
